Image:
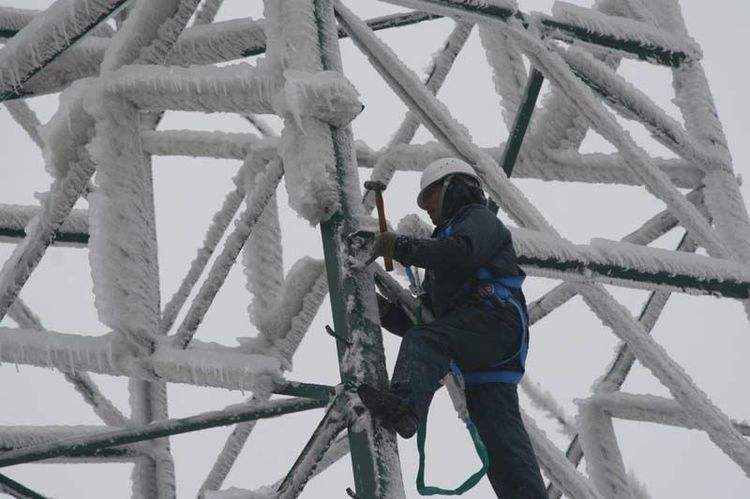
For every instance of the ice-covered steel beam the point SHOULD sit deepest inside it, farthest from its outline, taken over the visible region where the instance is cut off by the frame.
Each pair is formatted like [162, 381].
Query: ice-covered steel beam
[628, 36]
[201, 365]
[238, 88]
[334, 422]
[630, 265]
[18, 437]
[633, 38]
[632, 103]
[651, 408]
[14, 218]
[217, 42]
[230, 415]
[222, 145]
[12, 20]
[46, 37]
[262, 192]
[440, 66]
[559, 165]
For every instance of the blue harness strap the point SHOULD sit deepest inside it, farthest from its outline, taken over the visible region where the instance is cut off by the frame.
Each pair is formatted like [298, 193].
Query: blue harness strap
[498, 288]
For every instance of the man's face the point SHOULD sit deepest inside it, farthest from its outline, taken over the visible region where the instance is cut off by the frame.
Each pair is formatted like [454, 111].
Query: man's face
[431, 202]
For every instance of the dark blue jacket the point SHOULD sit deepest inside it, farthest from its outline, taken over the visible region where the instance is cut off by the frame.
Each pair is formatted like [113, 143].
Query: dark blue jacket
[478, 239]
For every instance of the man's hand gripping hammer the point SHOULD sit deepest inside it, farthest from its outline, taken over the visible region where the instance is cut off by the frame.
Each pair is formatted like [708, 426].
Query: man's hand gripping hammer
[378, 187]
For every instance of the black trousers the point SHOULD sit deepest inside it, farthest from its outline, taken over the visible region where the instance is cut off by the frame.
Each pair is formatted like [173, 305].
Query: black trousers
[475, 338]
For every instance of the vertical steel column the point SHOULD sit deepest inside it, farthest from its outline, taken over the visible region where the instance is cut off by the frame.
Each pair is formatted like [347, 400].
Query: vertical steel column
[377, 470]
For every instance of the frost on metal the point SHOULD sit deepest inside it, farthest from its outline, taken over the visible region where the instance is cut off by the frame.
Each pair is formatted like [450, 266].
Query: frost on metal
[101, 142]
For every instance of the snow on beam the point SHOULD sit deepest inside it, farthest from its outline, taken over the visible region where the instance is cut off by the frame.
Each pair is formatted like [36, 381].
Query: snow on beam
[625, 35]
[336, 419]
[17, 437]
[440, 66]
[651, 409]
[258, 199]
[238, 88]
[210, 44]
[571, 22]
[201, 365]
[650, 231]
[554, 464]
[632, 103]
[630, 265]
[200, 144]
[81, 381]
[603, 457]
[14, 218]
[653, 356]
[46, 37]
[605, 124]
[557, 165]
[12, 20]
[155, 430]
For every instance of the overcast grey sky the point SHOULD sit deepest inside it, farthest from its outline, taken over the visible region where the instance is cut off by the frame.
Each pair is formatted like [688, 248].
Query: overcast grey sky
[570, 348]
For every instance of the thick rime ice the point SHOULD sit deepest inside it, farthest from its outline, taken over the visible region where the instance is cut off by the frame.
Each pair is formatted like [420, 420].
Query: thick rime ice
[239, 88]
[48, 34]
[26, 117]
[603, 459]
[149, 33]
[440, 65]
[624, 29]
[200, 144]
[508, 69]
[327, 95]
[556, 466]
[122, 245]
[634, 104]
[545, 401]
[69, 130]
[258, 198]
[219, 42]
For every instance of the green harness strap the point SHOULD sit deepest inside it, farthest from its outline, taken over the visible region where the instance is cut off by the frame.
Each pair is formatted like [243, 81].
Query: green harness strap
[469, 483]
[429, 490]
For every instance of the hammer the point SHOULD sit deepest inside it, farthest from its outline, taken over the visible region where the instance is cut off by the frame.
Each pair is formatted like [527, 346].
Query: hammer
[378, 187]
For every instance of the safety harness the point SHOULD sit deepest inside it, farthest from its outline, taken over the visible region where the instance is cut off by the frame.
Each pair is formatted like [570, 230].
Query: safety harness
[491, 289]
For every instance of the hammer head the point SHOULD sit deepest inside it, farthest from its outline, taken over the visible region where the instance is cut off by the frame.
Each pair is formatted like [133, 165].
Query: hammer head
[375, 185]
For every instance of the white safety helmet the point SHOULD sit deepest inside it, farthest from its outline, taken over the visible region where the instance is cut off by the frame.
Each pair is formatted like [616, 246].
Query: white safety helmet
[441, 168]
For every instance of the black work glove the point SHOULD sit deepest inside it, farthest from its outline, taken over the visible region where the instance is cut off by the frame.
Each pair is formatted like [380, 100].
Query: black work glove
[384, 245]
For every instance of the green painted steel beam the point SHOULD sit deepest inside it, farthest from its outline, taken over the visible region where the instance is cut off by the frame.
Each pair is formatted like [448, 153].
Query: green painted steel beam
[520, 126]
[642, 51]
[374, 451]
[306, 390]
[59, 237]
[10, 486]
[333, 423]
[690, 284]
[91, 443]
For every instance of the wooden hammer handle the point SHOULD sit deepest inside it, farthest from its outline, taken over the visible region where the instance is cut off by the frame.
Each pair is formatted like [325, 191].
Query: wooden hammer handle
[383, 227]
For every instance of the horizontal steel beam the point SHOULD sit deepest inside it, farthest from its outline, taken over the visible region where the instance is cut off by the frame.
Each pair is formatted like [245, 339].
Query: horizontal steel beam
[159, 429]
[221, 37]
[563, 30]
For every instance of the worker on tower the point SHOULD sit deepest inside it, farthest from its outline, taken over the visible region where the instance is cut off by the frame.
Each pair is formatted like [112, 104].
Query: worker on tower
[473, 287]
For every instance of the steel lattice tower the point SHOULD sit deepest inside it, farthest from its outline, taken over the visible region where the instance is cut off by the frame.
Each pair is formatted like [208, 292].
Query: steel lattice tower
[117, 81]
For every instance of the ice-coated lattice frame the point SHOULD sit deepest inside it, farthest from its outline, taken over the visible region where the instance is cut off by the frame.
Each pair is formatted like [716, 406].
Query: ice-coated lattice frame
[117, 83]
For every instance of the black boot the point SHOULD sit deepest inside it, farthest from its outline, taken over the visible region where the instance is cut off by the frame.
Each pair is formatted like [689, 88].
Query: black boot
[389, 409]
